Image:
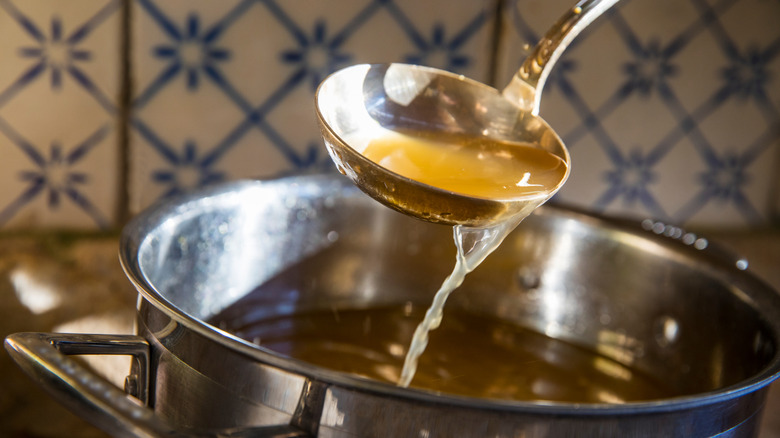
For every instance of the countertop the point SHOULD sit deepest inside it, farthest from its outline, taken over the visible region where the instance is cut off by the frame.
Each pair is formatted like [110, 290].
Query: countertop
[73, 283]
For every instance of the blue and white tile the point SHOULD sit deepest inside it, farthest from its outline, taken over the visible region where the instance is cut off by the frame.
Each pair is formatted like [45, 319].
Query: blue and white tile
[59, 124]
[670, 108]
[224, 90]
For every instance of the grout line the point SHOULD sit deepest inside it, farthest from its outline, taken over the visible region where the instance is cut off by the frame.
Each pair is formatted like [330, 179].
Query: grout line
[123, 195]
[774, 187]
[495, 43]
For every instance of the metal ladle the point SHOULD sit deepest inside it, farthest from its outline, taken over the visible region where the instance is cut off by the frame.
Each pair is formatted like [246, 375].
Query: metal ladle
[361, 102]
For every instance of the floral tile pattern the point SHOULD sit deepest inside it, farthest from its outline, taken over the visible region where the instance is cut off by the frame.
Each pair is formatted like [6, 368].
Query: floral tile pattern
[225, 90]
[670, 108]
[59, 88]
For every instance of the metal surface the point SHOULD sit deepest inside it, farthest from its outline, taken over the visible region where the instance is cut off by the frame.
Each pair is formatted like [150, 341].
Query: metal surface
[632, 288]
[525, 88]
[346, 131]
[666, 305]
[360, 102]
[43, 357]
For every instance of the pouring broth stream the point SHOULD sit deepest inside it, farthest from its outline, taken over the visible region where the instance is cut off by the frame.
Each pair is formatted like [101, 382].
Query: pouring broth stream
[524, 175]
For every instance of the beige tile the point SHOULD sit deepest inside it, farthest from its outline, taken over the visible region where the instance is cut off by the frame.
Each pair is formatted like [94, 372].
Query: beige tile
[59, 88]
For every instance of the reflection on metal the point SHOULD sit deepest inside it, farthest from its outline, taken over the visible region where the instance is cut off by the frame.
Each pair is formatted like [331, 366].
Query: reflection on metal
[613, 369]
[618, 346]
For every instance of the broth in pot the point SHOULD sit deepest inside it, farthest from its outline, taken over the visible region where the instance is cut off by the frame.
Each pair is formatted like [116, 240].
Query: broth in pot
[468, 355]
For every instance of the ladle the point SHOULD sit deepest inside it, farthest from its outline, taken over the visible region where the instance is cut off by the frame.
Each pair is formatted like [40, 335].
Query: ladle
[361, 102]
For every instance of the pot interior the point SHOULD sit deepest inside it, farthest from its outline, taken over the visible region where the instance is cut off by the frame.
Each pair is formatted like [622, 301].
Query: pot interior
[610, 304]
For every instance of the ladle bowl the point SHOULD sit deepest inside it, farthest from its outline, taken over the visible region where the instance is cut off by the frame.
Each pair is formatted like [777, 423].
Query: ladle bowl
[350, 117]
[361, 102]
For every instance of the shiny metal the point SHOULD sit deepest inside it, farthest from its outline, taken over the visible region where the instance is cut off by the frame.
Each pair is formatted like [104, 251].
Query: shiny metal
[525, 88]
[360, 102]
[43, 357]
[49, 345]
[663, 306]
[346, 131]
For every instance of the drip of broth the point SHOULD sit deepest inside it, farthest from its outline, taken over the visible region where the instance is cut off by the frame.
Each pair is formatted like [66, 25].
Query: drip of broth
[482, 241]
[469, 355]
[473, 166]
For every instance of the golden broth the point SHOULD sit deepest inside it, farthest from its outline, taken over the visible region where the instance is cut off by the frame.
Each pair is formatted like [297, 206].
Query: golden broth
[474, 166]
[469, 355]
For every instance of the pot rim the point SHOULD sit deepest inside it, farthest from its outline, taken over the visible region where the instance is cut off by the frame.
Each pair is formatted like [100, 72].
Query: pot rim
[137, 230]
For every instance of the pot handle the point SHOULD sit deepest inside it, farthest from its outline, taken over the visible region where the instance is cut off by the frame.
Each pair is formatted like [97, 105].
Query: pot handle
[43, 356]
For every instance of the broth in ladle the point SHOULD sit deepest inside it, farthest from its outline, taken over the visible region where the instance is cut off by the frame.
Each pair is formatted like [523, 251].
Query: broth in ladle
[473, 166]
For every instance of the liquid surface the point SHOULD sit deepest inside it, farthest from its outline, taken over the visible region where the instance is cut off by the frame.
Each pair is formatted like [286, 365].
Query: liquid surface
[468, 355]
[472, 166]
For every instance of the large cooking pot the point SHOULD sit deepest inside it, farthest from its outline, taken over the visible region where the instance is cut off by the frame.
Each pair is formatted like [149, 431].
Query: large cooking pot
[662, 300]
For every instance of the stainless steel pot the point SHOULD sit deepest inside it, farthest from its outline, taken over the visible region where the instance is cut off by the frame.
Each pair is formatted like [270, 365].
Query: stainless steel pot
[650, 295]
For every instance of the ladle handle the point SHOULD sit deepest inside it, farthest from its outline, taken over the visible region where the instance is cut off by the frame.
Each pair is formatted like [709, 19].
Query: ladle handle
[526, 85]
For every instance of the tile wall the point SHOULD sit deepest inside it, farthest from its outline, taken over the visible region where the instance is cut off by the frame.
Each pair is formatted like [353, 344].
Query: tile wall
[671, 108]
[60, 133]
